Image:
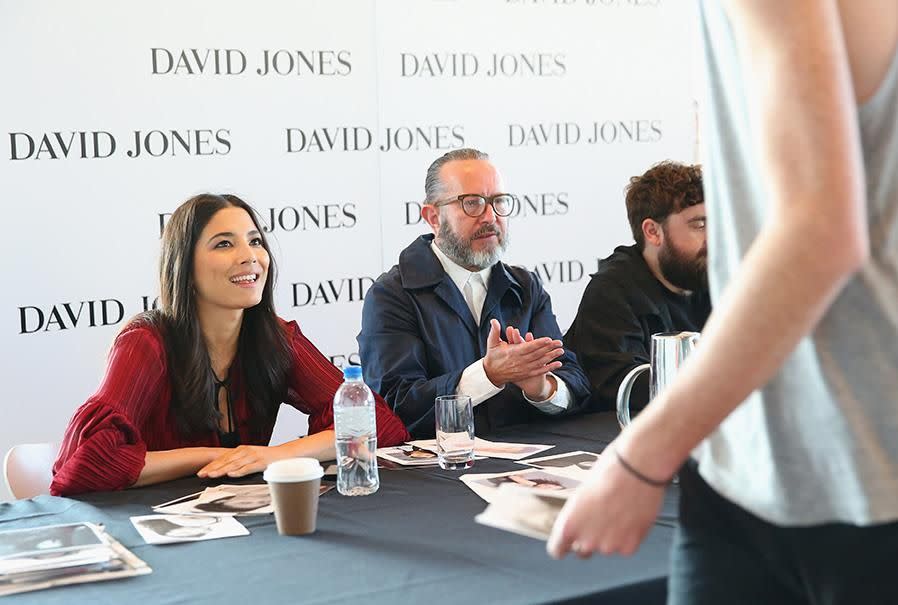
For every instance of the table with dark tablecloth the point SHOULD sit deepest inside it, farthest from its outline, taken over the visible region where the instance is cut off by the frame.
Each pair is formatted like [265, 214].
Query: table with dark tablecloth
[414, 541]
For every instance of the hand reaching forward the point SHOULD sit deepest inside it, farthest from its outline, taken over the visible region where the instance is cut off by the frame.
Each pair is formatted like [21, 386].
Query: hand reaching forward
[611, 512]
[511, 361]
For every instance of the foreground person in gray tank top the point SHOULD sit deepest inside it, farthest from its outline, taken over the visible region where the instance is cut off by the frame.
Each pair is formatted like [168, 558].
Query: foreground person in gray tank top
[788, 410]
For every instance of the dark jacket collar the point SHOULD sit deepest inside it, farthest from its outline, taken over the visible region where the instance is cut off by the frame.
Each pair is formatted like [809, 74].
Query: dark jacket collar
[642, 274]
[418, 265]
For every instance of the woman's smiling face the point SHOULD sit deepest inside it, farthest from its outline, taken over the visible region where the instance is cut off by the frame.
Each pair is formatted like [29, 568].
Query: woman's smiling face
[230, 263]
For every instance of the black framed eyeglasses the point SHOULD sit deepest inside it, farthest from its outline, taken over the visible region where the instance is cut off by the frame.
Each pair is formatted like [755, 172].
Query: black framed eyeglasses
[474, 204]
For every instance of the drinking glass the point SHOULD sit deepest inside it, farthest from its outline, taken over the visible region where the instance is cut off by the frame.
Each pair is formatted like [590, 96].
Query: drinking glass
[455, 431]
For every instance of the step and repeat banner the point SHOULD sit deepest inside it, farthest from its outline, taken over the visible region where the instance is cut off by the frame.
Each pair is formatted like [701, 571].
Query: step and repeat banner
[324, 115]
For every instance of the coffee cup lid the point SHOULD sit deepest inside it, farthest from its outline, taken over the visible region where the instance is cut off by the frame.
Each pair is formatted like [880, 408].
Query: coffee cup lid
[293, 469]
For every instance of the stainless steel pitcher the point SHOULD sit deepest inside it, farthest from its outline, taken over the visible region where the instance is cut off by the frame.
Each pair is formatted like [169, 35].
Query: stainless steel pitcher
[668, 351]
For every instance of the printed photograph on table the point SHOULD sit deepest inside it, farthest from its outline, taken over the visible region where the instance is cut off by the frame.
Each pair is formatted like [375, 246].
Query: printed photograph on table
[235, 500]
[510, 451]
[222, 500]
[533, 480]
[169, 529]
[582, 460]
[492, 449]
[407, 455]
[46, 542]
[523, 511]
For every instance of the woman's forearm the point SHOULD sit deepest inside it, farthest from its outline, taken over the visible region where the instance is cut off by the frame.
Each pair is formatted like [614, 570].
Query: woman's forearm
[319, 446]
[174, 464]
[216, 462]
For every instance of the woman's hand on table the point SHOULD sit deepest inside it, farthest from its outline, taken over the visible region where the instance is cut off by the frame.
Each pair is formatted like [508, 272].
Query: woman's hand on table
[240, 461]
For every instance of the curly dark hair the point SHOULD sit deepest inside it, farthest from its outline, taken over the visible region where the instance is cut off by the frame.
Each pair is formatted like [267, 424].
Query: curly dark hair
[666, 188]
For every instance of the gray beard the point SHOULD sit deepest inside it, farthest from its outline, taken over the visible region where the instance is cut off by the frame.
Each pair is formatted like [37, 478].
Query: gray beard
[461, 252]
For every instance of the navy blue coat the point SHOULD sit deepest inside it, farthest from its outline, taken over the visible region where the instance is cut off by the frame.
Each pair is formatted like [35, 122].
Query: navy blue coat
[418, 336]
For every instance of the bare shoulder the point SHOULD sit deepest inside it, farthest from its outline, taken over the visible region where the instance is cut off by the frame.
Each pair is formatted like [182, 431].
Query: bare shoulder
[870, 28]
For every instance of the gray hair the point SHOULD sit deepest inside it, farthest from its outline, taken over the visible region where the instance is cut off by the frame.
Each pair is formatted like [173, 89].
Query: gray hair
[433, 186]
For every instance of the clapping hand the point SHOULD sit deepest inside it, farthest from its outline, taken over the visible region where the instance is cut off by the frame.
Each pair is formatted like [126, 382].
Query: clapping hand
[521, 360]
[538, 388]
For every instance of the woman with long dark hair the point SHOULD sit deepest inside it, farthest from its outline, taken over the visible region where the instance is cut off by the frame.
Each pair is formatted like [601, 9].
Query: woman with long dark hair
[195, 386]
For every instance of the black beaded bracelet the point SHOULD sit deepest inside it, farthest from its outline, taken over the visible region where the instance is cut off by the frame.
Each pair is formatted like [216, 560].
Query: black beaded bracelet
[637, 474]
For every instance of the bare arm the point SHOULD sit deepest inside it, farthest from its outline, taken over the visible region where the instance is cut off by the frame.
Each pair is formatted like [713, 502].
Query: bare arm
[174, 464]
[248, 459]
[218, 461]
[814, 240]
[319, 446]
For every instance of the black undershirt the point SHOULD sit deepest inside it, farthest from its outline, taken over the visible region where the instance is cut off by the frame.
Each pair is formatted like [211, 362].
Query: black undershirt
[231, 437]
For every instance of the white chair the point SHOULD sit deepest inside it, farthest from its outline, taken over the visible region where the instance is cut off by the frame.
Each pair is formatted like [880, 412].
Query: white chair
[27, 468]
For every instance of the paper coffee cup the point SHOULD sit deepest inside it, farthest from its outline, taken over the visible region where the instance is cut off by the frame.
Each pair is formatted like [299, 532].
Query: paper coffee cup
[294, 484]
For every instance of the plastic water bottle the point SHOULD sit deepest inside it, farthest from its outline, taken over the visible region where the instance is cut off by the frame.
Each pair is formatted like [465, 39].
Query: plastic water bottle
[356, 427]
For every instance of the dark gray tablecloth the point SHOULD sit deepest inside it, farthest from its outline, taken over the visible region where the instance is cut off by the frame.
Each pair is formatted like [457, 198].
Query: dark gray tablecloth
[414, 541]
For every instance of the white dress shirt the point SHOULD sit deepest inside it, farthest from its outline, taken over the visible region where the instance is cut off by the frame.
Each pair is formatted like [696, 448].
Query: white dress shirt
[474, 381]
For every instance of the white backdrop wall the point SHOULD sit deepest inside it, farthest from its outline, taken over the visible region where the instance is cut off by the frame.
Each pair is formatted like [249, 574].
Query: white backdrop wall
[324, 115]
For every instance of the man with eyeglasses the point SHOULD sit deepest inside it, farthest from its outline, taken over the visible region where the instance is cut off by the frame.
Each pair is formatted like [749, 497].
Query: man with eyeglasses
[451, 318]
[660, 284]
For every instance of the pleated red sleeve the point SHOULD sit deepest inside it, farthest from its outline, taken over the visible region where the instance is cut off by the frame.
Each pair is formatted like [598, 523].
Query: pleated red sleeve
[102, 448]
[313, 382]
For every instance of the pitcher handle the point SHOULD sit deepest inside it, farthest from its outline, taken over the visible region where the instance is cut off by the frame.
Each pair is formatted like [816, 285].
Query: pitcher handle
[623, 394]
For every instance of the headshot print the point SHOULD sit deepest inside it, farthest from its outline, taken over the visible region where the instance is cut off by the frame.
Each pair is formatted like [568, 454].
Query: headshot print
[181, 526]
[534, 480]
[235, 503]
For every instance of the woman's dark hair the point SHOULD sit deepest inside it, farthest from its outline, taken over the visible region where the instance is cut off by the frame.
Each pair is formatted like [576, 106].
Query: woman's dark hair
[262, 350]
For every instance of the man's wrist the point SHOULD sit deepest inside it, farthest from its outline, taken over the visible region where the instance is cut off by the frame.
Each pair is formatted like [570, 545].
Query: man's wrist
[547, 390]
[655, 442]
[638, 474]
[491, 375]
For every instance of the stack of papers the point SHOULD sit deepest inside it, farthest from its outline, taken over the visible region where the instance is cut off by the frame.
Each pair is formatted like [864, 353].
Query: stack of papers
[523, 511]
[527, 502]
[55, 555]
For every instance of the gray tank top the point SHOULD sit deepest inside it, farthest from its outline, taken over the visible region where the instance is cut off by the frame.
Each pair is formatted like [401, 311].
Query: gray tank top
[819, 443]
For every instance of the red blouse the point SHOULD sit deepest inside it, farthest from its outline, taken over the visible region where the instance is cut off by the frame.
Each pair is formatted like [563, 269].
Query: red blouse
[107, 439]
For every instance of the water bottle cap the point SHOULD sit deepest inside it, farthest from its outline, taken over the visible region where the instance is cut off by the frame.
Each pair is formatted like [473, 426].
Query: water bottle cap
[352, 372]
